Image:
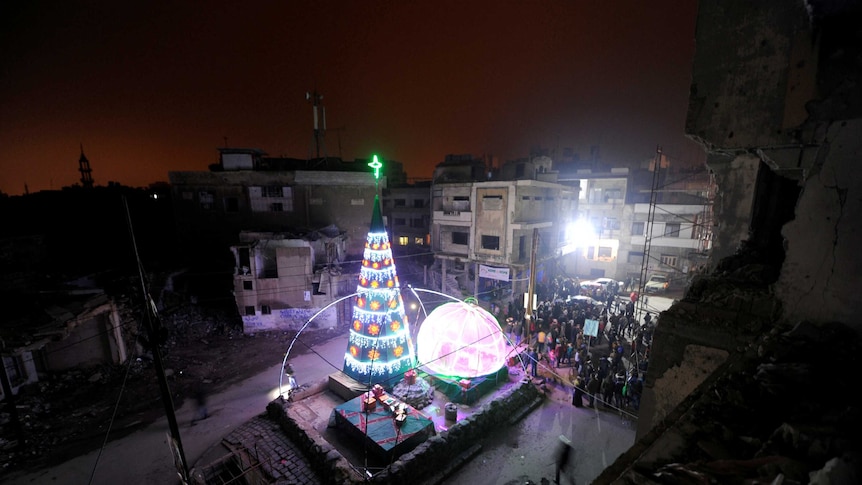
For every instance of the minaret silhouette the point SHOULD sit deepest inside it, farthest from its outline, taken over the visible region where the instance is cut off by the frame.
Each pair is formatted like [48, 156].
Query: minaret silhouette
[86, 172]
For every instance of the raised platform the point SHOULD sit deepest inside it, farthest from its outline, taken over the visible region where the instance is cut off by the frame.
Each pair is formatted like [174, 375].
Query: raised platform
[345, 386]
[378, 430]
[470, 393]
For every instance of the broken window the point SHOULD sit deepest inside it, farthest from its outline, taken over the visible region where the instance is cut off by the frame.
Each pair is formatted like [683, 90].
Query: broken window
[491, 242]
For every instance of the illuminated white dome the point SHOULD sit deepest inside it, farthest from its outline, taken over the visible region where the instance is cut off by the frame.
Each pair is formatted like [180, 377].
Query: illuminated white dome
[461, 340]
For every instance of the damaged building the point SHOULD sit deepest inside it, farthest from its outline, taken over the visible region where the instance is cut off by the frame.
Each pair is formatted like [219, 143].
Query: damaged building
[748, 373]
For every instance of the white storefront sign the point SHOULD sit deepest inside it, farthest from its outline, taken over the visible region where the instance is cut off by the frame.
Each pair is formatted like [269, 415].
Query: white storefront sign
[493, 273]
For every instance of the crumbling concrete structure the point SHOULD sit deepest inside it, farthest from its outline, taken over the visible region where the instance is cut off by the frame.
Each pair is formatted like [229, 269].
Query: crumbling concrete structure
[739, 368]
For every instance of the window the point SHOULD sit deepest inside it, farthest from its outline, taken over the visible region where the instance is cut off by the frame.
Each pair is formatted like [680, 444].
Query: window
[399, 221]
[188, 195]
[277, 207]
[249, 310]
[272, 191]
[262, 198]
[492, 202]
[15, 370]
[403, 240]
[419, 241]
[605, 252]
[591, 252]
[357, 201]
[635, 257]
[668, 259]
[247, 285]
[231, 204]
[460, 238]
[612, 223]
[418, 203]
[613, 194]
[206, 200]
[400, 202]
[491, 242]
[637, 228]
[417, 222]
[264, 310]
[671, 230]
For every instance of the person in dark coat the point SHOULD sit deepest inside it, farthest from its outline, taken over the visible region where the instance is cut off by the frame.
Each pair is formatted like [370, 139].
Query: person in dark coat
[564, 459]
[200, 398]
[593, 388]
[578, 396]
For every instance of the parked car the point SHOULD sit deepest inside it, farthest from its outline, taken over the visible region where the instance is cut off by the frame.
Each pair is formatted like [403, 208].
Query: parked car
[606, 282]
[590, 285]
[584, 299]
[657, 284]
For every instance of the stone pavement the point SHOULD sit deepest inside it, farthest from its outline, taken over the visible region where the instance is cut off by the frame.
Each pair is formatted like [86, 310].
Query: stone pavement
[258, 443]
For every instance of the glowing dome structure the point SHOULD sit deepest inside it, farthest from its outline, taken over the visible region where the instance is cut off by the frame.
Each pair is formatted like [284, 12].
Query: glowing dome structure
[461, 339]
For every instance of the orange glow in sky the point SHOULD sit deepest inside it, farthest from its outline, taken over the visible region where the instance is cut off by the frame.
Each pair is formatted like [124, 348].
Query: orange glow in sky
[157, 87]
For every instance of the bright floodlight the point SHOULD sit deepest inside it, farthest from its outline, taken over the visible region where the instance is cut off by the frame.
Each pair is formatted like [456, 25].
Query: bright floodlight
[581, 233]
[461, 339]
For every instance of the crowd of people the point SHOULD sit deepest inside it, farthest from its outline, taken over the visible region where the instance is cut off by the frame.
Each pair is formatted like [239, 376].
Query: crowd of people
[607, 365]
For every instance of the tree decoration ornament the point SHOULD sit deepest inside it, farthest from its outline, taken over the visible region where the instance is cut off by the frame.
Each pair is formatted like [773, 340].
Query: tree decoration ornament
[380, 349]
[461, 339]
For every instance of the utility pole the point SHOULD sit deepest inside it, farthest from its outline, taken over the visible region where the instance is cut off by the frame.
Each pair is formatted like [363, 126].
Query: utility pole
[152, 321]
[648, 231]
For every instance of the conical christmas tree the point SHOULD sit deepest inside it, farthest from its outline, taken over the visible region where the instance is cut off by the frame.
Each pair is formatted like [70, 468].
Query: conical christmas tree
[380, 349]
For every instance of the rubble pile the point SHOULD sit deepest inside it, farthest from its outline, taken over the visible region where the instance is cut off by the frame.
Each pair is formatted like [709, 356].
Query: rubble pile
[67, 414]
[772, 415]
[64, 409]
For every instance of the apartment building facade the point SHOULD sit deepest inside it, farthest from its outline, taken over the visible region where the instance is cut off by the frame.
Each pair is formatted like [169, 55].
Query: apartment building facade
[482, 233]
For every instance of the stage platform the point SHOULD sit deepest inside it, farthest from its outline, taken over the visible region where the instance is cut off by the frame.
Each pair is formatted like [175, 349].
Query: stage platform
[378, 430]
[471, 391]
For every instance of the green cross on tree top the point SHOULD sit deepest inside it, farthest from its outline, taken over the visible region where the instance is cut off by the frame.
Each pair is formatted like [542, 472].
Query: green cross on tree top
[376, 165]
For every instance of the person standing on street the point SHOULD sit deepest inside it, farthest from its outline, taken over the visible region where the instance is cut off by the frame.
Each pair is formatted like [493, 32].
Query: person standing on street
[200, 398]
[291, 381]
[534, 362]
[565, 459]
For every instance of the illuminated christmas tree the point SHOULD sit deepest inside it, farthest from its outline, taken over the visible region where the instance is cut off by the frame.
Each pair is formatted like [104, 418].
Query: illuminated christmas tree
[380, 349]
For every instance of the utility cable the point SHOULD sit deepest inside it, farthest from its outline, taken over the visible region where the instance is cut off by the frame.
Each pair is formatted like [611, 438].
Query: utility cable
[113, 415]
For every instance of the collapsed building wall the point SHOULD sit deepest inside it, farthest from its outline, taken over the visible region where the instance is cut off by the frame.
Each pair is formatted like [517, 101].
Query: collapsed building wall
[775, 101]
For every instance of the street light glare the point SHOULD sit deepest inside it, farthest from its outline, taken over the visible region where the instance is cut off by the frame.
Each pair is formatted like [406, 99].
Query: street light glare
[581, 233]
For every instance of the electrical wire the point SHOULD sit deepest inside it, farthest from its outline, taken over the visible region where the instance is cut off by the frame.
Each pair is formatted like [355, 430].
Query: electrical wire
[113, 415]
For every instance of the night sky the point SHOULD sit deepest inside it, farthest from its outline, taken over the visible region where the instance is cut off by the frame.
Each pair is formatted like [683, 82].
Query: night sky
[152, 87]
